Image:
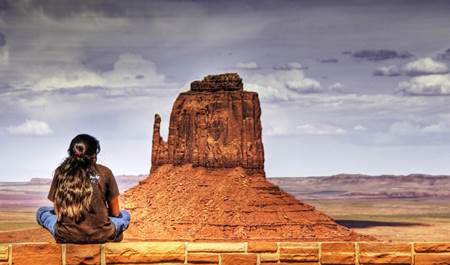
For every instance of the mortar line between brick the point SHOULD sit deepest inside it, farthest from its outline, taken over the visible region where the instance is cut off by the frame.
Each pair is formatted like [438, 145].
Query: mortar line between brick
[278, 252]
[220, 258]
[320, 253]
[63, 254]
[413, 253]
[102, 255]
[357, 253]
[10, 249]
[246, 247]
[258, 259]
[185, 253]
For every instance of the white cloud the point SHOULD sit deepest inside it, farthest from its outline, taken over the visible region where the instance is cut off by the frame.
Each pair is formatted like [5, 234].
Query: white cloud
[305, 85]
[390, 70]
[336, 87]
[69, 80]
[247, 65]
[30, 127]
[281, 85]
[411, 128]
[131, 75]
[429, 85]
[320, 129]
[425, 66]
[359, 127]
[290, 66]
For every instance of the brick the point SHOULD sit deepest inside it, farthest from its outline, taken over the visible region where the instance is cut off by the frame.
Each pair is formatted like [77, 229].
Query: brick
[385, 258]
[82, 254]
[202, 258]
[142, 252]
[164, 263]
[337, 247]
[291, 263]
[299, 257]
[240, 258]
[431, 259]
[298, 245]
[382, 247]
[192, 263]
[267, 257]
[432, 247]
[157, 263]
[295, 251]
[304, 251]
[337, 258]
[262, 247]
[36, 254]
[3, 252]
[215, 247]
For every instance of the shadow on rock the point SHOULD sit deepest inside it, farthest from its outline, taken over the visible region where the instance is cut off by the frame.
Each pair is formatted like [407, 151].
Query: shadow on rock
[369, 224]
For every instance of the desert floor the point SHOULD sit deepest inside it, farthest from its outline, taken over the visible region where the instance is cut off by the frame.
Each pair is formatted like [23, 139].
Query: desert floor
[387, 219]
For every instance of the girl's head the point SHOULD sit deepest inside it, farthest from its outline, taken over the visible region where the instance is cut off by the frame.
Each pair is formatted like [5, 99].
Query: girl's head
[84, 146]
[74, 188]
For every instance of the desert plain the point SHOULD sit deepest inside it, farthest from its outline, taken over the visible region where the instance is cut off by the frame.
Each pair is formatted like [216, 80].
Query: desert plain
[391, 208]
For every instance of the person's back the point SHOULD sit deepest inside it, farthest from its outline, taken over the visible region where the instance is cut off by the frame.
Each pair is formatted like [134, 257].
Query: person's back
[85, 196]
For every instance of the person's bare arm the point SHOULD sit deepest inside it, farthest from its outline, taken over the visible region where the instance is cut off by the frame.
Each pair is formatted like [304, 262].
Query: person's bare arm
[114, 208]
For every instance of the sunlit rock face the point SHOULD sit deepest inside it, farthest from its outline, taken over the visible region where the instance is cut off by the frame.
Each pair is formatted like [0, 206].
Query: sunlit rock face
[215, 125]
[207, 181]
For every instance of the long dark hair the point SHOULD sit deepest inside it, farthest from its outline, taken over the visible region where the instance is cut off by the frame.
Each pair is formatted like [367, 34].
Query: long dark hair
[74, 190]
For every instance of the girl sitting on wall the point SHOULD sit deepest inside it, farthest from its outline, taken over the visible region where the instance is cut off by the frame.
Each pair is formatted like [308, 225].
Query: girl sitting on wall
[85, 197]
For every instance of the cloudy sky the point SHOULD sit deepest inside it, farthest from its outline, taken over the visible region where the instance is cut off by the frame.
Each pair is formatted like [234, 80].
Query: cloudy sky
[346, 86]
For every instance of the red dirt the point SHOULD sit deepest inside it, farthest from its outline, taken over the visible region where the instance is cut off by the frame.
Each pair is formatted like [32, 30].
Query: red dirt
[196, 203]
[26, 235]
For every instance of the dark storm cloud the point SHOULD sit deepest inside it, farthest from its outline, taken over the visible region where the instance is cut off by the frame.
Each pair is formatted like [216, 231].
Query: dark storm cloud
[99, 60]
[445, 56]
[381, 55]
[2, 40]
[5, 88]
[66, 8]
[141, 8]
[62, 9]
[329, 60]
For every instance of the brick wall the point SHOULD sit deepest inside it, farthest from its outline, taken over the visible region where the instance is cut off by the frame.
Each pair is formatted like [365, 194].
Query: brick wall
[236, 253]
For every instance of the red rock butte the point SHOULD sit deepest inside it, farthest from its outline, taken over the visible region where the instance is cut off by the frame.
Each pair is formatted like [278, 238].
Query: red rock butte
[207, 181]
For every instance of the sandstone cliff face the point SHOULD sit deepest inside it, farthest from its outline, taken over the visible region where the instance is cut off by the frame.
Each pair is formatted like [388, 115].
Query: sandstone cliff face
[207, 182]
[215, 125]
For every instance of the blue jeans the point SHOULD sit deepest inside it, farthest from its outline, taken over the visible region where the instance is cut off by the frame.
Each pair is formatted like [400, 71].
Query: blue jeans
[121, 223]
[46, 217]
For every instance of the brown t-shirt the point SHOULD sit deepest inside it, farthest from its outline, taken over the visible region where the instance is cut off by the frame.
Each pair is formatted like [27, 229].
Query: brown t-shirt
[96, 226]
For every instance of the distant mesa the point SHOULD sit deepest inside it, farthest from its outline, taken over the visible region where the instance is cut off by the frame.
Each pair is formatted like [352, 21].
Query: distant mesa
[207, 181]
[40, 181]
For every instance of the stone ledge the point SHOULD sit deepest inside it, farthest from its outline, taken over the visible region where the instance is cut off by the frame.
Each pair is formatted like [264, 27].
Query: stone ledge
[223, 253]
